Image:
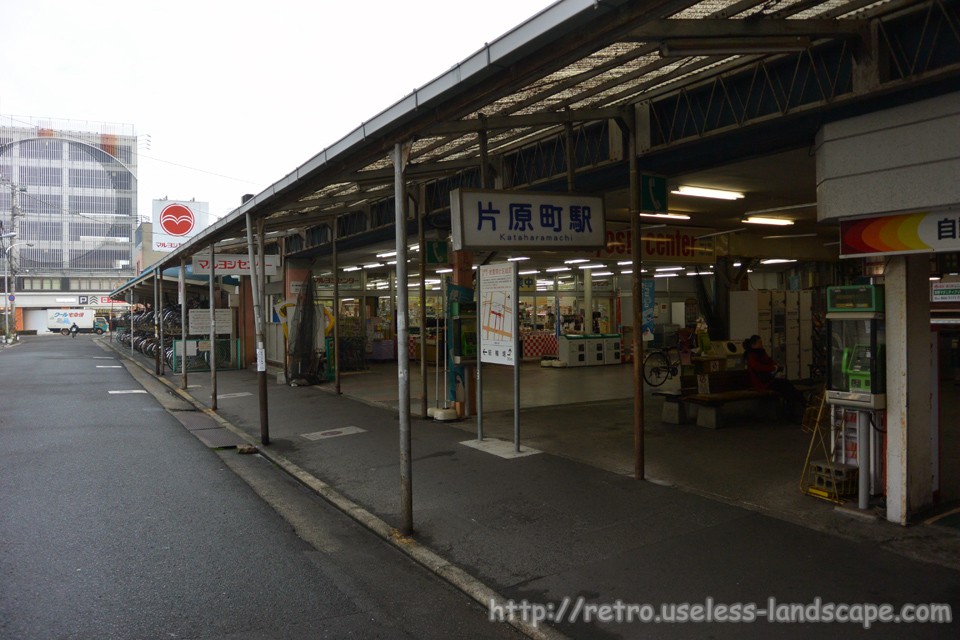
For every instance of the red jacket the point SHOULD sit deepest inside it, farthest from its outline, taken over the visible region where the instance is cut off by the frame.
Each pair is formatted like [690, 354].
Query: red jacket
[761, 368]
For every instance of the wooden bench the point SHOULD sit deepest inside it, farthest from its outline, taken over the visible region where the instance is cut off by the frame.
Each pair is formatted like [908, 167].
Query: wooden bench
[724, 387]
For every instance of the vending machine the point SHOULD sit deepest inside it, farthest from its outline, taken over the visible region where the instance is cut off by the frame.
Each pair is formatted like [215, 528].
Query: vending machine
[856, 387]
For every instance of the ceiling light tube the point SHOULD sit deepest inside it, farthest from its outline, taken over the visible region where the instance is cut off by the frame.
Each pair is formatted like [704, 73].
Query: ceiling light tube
[703, 192]
[776, 261]
[351, 268]
[779, 222]
[387, 254]
[669, 269]
[443, 271]
[601, 273]
[671, 216]
[556, 269]
[517, 259]
[528, 273]
[592, 266]
[575, 261]
[666, 275]
[373, 265]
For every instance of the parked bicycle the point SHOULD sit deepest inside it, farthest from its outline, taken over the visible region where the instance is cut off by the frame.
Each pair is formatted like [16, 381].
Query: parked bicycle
[663, 363]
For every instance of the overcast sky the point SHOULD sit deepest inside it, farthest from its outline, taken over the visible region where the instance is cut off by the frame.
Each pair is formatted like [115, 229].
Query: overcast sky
[233, 95]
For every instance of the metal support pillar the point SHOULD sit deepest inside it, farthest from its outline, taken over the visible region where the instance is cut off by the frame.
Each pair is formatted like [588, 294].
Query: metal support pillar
[637, 294]
[400, 155]
[182, 286]
[258, 329]
[336, 313]
[213, 331]
[156, 318]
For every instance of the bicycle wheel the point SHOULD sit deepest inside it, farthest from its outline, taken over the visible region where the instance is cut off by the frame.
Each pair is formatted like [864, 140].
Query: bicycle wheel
[656, 368]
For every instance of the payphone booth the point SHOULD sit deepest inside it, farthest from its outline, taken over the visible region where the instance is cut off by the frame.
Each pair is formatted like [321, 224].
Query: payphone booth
[856, 387]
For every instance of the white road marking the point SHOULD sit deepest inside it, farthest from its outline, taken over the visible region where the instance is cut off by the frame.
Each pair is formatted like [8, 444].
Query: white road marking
[233, 395]
[128, 391]
[332, 433]
[109, 366]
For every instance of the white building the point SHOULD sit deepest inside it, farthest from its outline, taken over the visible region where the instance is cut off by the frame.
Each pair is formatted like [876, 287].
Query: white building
[69, 193]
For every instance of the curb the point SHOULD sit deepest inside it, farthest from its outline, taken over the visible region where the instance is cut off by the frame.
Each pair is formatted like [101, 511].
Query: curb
[424, 556]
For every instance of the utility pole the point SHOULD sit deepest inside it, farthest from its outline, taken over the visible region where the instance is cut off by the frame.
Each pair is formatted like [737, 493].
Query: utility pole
[11, 305]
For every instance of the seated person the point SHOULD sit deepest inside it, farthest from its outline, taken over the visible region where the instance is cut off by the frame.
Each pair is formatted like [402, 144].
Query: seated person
[763, 372]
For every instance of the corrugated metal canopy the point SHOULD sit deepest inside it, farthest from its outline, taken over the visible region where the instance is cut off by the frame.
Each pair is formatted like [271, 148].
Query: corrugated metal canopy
[577, 61]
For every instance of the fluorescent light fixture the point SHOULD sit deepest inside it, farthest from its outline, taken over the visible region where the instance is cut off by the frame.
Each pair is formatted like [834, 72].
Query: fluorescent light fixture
[602, 273]
[703, 192]
[575, 261]
[934, 277]
[669, 216]
[431, 281]
[666, 275]
[592, 266]
[351, 268]
[528, 273]
[556, 269]
[444, 271]
[517, 259]
[698, 273]
[790, 235]
[737, 264]
[392, 262]
[779, 222]
[776, 261]
[566, 276]
[626, 272]
[669, 269]
[414, 247]
[624, 262]
[387, 254]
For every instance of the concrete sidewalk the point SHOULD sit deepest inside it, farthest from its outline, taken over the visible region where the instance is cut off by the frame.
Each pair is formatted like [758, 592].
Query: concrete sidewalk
[544, 528]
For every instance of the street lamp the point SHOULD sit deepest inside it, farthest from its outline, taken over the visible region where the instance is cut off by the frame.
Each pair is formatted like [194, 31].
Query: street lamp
[6, 285]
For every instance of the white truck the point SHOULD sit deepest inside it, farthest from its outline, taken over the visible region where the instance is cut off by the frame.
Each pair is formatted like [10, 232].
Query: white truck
[87, 321]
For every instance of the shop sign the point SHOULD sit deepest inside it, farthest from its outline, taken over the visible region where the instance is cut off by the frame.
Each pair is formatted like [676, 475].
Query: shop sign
[233, 265]
[498, 313]
[326, 282]
[945, 292]
[922, 232]
[664, 244]
[522, 220]
[100, 301]
[175, 222]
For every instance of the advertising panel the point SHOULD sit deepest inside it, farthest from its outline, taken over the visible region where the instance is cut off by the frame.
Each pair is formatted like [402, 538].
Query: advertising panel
[908, 233]
[498, 313]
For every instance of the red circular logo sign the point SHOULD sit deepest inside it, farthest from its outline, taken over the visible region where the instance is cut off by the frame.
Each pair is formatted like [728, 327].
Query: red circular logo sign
[177, 220]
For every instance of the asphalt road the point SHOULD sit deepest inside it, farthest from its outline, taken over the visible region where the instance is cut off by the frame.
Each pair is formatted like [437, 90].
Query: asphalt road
[116, 522]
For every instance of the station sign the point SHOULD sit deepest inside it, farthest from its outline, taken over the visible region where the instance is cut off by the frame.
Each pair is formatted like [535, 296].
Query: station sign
[176, 221]
[485, 219]
[921, 232]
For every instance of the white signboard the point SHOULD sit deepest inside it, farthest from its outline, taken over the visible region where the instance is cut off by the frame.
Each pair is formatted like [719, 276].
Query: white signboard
[233, 265]
[199, 321]
[498, 313]
[176, 221]
[945, 292]
[522, 220]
